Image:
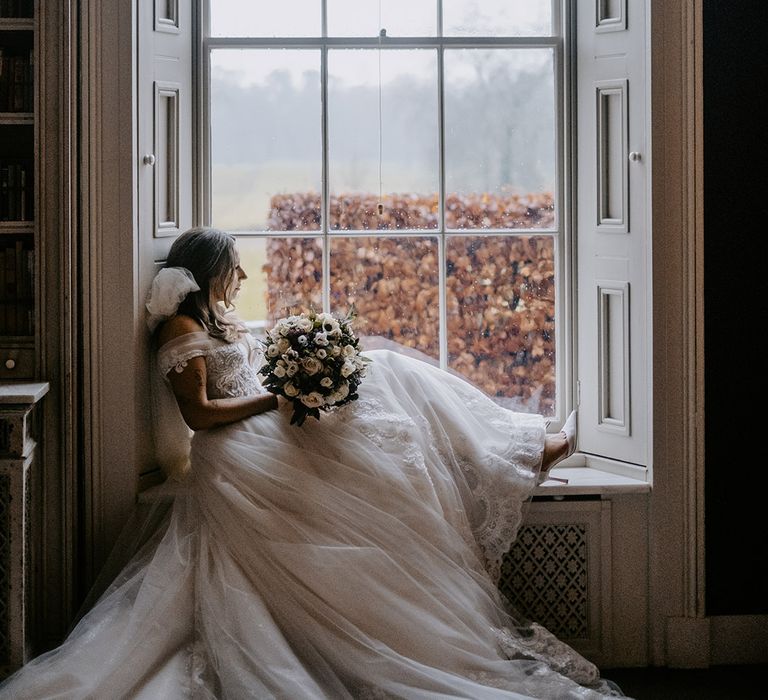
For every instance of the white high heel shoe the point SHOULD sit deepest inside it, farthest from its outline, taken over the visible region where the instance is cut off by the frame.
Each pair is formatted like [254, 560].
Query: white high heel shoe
[570, 430]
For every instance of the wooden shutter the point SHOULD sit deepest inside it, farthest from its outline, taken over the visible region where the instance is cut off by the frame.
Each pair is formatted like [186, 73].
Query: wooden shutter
[165, 174]
[613, 230]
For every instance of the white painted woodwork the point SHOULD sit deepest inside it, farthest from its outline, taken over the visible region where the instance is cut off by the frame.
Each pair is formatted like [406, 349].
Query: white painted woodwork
[166, 157]
[611, 131]
[593, 518]
[20, 545]
[676, 515]
[610, 15]
[613, 231]
[167, 16]
[104, 261]
[164, 130]
[613, 410]
[56, 302]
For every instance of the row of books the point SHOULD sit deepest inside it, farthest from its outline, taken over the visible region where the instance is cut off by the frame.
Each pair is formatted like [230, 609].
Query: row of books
[17, 306]
[17, 8]
[16, 81]
[16, 191]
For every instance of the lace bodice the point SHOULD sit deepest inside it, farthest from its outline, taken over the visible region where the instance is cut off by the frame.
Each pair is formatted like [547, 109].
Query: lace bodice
[231, 368]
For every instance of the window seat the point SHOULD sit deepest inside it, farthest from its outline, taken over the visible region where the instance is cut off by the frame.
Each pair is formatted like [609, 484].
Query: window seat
[589, 475]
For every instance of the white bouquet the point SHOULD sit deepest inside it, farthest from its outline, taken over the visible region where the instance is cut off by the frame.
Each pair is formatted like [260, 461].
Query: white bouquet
[314, 361]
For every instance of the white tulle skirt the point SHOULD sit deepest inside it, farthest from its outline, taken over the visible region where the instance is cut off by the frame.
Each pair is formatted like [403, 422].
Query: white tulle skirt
[354, 557]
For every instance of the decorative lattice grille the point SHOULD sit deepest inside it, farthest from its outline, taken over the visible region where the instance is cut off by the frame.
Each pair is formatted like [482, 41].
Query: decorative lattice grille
[545, 576]
[5, 568]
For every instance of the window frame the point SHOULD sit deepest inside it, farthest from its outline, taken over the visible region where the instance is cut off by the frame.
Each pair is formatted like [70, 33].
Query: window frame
[560, 42]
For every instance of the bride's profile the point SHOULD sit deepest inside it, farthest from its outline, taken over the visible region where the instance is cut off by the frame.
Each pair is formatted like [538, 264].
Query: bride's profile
[355, 556]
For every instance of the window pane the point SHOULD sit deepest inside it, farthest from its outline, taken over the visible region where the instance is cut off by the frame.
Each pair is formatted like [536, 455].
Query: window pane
[500, 147]
[501, 317]
[284, 276]
[409, 139]
[393, 283]
[497, 17]
[265, 139]
[398, 17]
[265, 19]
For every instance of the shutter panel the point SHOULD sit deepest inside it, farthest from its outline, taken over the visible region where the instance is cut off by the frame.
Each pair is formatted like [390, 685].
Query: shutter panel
[164, 126]
[613, 230]
[164, 134]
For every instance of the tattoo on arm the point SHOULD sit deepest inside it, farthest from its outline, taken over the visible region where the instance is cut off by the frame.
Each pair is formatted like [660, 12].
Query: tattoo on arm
[199, 377]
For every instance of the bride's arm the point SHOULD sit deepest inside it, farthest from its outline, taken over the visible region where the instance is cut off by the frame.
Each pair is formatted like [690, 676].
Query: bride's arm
[189, 387]
[200, 412]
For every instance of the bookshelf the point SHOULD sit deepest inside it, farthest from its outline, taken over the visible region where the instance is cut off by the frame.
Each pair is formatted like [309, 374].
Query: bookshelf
[17, 189]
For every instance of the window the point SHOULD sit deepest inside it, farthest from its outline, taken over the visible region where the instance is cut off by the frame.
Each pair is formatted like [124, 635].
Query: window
[406, 157]
[506, 142]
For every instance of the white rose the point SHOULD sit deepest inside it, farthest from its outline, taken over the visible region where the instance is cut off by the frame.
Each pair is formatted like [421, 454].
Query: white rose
[321, 339]
[279, 371]
[283, 345]
[335, 351]
[302, 340]
[304, 324]
[292, 368]
[311, 365]
[272, 351]
[283, 329]
[290, 389]
[347, 368]
[341, 393]
[327, 382]
[321, 354]
[313, 400]
[349, 351]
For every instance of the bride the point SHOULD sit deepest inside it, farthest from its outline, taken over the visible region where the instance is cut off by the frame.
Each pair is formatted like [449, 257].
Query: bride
[353, 557]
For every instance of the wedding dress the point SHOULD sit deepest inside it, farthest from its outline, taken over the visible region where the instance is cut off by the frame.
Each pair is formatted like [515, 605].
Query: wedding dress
[353, 557]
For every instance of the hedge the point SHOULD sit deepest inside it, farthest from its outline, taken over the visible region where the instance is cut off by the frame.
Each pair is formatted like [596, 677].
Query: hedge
[500, 290]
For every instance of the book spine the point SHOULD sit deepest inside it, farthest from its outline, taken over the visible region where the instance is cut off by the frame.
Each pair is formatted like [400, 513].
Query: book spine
[24, 214]
[19, 75]
[3, 82]
[3, 295]
[20, 310]
[11, 295]
[3, 192]
[29, 256]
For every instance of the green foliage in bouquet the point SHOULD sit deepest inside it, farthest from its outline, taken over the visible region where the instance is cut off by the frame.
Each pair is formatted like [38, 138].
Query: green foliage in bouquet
[314, 361]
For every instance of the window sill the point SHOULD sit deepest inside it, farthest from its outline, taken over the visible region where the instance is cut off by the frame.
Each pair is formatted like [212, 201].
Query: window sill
[589, 475]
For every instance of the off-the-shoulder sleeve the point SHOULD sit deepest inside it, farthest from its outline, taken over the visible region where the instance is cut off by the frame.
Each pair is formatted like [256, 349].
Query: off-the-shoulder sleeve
[177, 352]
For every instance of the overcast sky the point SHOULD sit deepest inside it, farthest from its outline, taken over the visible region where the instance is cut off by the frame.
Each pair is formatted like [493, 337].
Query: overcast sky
[296, 18]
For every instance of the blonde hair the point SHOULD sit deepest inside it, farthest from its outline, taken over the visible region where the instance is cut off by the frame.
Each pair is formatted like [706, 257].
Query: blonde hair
[211, 257]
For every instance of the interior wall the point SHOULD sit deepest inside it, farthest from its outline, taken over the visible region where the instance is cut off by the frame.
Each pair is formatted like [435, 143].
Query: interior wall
[735, 257]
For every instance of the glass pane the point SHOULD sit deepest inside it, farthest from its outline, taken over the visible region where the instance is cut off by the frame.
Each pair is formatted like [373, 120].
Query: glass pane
[285, 276]
[393, 283]
[409, 139]
[266, 151]
[398, 17]
[265, 19]
[497, 17]
[501, 317]
[500, 148]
